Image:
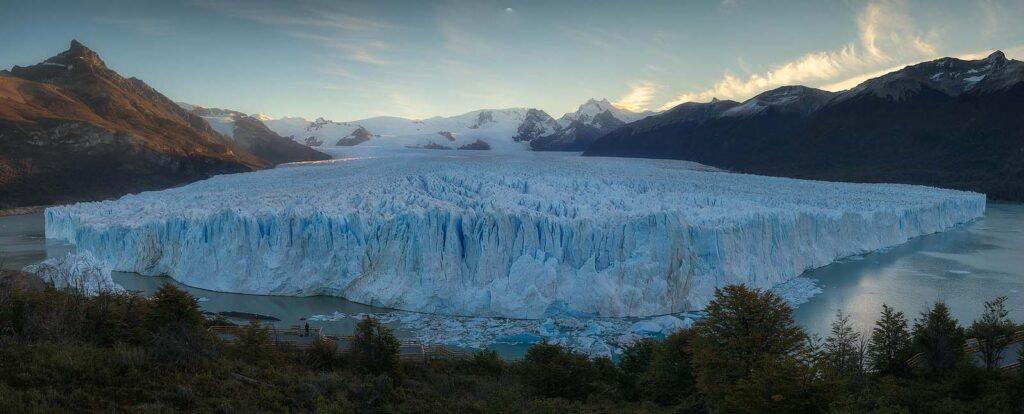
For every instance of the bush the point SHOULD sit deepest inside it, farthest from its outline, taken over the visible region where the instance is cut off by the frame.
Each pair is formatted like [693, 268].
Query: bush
[374, 349]
[669, 377]
[552, 371]
[173, 308]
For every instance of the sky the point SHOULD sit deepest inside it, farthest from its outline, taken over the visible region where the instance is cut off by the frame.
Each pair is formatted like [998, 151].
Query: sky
[348, 60]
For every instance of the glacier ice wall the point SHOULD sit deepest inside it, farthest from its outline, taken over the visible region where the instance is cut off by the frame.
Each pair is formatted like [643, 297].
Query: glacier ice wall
[502, 235]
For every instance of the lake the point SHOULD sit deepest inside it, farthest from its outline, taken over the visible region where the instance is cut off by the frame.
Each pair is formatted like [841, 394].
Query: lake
[964, 267]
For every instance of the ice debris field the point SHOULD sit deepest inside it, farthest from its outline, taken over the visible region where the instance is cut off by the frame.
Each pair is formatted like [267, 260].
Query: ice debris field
[507, 235]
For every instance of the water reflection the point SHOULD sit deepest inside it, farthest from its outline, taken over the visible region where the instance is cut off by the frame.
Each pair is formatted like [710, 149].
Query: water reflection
[963, 267]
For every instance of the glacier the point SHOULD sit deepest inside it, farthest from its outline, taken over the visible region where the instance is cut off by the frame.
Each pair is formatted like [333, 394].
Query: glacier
[501, 235]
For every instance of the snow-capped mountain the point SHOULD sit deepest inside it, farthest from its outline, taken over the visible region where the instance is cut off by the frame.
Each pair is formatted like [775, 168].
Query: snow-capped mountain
[591, 121]
[507, 129]
[951, 76]
[793, 99]
[501, 129]
[252, 134]
[589, 111]
[948, 122]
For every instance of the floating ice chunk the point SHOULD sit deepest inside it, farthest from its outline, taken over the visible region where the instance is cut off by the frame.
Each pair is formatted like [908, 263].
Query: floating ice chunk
[79, 271]
[661, 326]
[797, 291]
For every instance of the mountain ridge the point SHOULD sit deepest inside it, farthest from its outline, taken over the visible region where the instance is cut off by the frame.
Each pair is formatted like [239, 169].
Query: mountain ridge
[947, 122]
[71, 129]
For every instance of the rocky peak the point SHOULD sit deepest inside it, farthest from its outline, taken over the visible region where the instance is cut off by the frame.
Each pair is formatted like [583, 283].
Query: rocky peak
[997, 57]
[949, 76]
[606, 120]
[536, 123]
[77, 60]
[789, 99]
[77, 52]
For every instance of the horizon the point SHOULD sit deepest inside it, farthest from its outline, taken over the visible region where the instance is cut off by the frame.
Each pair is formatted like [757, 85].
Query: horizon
[359, 60]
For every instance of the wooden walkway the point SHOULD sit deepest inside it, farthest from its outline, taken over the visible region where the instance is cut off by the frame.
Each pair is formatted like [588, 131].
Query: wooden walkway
[294, 336]
[1008, 359]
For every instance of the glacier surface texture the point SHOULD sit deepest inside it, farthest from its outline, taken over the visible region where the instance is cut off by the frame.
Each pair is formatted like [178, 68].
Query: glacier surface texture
[521, 236]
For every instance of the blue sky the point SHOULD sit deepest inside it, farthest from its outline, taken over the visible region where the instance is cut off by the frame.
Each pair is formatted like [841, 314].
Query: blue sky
[351, 60]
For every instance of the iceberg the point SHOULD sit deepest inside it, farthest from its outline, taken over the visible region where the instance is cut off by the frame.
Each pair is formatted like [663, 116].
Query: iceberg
[79, 272]
[502, 235]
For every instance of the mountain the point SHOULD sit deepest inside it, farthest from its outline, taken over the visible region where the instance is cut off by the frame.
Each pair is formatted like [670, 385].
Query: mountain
[590, 109]
[501, 129]
[580, 129]
[359, 136]
[252, 134]
[72, 129]
[948, 123]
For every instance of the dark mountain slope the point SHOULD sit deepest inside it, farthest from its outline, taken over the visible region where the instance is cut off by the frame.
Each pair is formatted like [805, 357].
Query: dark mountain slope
[254, 136]
[71, 130]
[947, 123]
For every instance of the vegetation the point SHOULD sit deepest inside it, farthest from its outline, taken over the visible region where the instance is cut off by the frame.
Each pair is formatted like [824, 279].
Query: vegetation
[61, 351]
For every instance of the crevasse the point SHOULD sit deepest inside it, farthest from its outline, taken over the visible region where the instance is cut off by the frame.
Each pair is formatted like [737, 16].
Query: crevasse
[502, 235]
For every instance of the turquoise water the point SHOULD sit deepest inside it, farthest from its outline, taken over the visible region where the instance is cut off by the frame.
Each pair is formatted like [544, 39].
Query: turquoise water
[963, 267]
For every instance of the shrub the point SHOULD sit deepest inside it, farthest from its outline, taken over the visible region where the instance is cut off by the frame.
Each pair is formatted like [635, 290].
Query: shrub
[374, 348]
[173, 307]
[553, 371]
[669, 377]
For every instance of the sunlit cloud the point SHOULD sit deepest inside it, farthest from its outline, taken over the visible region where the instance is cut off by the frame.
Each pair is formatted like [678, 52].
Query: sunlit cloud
[885, 36]
[638, 97]
[364, 51]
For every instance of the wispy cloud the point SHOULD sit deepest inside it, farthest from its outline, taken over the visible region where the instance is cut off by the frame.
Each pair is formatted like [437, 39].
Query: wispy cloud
[363, 51]
[144, 25]
[638, 97]
[357, 36]
[885, 36]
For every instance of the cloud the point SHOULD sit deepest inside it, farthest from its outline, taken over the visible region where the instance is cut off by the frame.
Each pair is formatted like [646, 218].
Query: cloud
[638, 97]
[144, 25]
[362, 51]
[885, 36]
[357, 36]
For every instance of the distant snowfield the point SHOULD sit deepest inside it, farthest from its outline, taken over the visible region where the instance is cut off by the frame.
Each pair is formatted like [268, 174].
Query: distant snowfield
[522, 235]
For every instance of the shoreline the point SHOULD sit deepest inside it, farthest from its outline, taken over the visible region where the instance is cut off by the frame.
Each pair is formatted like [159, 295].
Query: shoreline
[17, 211]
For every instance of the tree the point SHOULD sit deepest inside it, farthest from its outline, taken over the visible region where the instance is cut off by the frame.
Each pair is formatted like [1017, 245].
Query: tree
[634, 363]
[173, 308]
[842, 355]
[556, 372]
[669, 378]
[374, 348]
[940, 338]
[255, 345]
[993, 331]
[889, 347]
[746, 332]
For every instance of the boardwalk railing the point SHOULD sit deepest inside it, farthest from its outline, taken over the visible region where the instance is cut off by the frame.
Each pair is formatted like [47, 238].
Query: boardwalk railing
[973, 346]
[409, 349]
